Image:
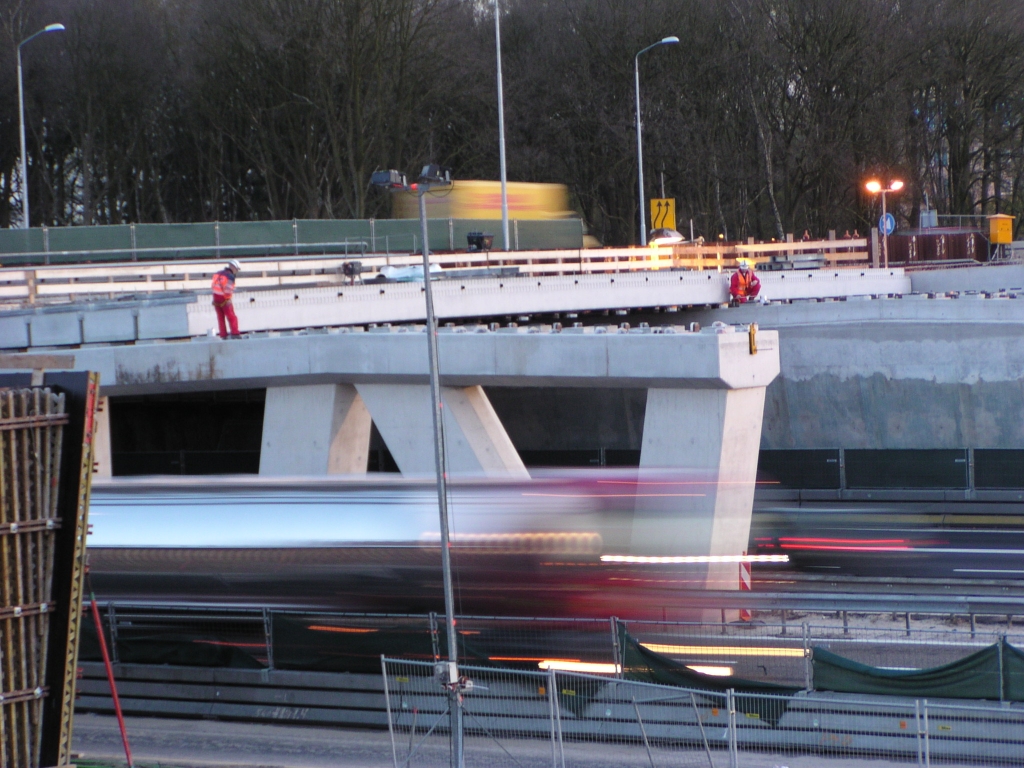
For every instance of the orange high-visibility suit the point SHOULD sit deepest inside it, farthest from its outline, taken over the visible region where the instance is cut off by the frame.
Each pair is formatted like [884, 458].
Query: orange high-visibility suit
[744, 286]
[223, 289]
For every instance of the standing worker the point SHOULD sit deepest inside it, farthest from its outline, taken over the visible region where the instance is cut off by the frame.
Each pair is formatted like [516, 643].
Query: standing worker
[744, 285]
[223, 289]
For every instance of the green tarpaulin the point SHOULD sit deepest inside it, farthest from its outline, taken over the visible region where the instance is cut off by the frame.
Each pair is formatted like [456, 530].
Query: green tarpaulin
[995, 673]
[766, 701]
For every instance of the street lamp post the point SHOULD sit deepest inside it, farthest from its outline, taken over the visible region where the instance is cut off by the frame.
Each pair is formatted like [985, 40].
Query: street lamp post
[875, 187]
[21, 120]
[671, 40]
[501, 131]
[432, 177]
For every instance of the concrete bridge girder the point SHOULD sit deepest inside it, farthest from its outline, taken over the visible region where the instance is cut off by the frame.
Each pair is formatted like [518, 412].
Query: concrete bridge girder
[703, 414]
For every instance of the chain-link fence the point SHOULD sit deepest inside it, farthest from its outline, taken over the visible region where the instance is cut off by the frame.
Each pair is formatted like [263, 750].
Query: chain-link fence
[346, 642]
[520, 718]
[564, 719]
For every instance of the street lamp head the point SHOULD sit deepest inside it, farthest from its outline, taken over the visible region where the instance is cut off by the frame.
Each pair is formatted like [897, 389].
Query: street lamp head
[874, 186]
[435, 174]
[388, 179]
[54, 28]
[664, 236]
[895, 186]
[669, 40]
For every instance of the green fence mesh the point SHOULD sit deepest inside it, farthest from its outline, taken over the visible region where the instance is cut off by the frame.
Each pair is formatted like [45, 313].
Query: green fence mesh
[166, 242]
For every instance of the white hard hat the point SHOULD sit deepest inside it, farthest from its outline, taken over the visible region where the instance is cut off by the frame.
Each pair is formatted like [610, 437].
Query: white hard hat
[235, 265]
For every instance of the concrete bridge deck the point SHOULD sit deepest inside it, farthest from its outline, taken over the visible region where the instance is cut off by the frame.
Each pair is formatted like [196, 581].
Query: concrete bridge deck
[181, 315]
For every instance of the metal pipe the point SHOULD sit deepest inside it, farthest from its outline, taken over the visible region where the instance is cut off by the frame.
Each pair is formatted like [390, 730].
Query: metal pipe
[455, 699]
[110, 678]
[639, 134]
[639, 151]
[21, 131]
[21, 120]
[501, 131]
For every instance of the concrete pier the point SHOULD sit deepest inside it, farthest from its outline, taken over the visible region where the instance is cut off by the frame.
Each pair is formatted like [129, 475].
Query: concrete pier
[703, 416]
[475, 439]
[321, 429]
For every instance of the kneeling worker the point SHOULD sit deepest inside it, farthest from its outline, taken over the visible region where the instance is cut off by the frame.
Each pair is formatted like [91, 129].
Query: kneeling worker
[744, 285]
[223, 289]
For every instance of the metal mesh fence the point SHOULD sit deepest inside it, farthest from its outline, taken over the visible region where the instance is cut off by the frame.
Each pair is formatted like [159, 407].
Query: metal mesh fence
[780, 653]
[154, 635]
[328, 641]
[520, 718]
[162, 242]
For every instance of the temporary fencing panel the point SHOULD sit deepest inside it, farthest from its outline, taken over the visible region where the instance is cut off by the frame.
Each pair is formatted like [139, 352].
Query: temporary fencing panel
[514, 717]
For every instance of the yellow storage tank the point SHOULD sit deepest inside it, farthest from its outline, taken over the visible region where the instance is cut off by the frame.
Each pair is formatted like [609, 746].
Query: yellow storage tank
[482, 200]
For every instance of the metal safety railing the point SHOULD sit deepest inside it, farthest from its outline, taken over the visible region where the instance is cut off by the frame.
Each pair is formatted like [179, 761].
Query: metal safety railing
[55, 284]
[561, 718]
[777, 652]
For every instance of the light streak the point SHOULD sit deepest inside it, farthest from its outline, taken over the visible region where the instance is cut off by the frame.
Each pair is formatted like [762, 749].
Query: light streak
[591, 667]
[723, 650]
[677, 559]
[711, 670]
[344, 630]
[618, 495]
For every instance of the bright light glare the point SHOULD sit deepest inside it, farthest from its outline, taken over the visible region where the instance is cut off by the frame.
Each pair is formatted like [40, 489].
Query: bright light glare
[722, 650]
[714, 671]
[896, 186]
[653, 560]
[874, 186]
[595, 668]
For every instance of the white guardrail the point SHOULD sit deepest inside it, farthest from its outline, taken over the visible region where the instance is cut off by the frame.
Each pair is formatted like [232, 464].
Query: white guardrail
[59, 284]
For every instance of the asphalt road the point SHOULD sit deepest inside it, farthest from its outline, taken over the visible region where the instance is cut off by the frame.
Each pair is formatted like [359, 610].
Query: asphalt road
[940, 540]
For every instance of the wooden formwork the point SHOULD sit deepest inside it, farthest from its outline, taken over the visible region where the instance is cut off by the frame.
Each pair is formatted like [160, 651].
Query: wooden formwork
[44, 491]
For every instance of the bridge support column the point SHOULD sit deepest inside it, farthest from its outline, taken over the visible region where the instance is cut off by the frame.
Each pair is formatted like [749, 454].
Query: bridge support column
[699, 454]
[475, 439]
[315, 430]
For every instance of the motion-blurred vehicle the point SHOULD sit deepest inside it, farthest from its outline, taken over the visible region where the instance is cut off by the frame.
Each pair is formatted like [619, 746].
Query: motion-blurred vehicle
[482, 200]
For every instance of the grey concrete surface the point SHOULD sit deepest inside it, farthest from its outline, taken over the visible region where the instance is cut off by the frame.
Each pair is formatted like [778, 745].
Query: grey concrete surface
[191, 314]
[893, 373]
[988, 277]
[206, 743]
[469, 355]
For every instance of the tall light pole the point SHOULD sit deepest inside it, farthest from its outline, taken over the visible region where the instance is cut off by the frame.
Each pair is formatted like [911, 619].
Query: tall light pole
[432, 177]
[501, 131]
[671, 40]
[875, 187]
[21, 118]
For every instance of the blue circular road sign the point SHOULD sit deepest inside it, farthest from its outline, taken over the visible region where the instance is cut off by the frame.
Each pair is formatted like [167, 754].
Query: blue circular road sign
[887, 224]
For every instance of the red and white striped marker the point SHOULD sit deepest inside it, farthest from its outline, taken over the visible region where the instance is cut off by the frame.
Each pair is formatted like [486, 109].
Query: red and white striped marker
[745, 586]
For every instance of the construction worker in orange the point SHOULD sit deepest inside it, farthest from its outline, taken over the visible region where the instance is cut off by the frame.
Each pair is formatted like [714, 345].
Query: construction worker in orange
[223, 290]
[744, 285]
